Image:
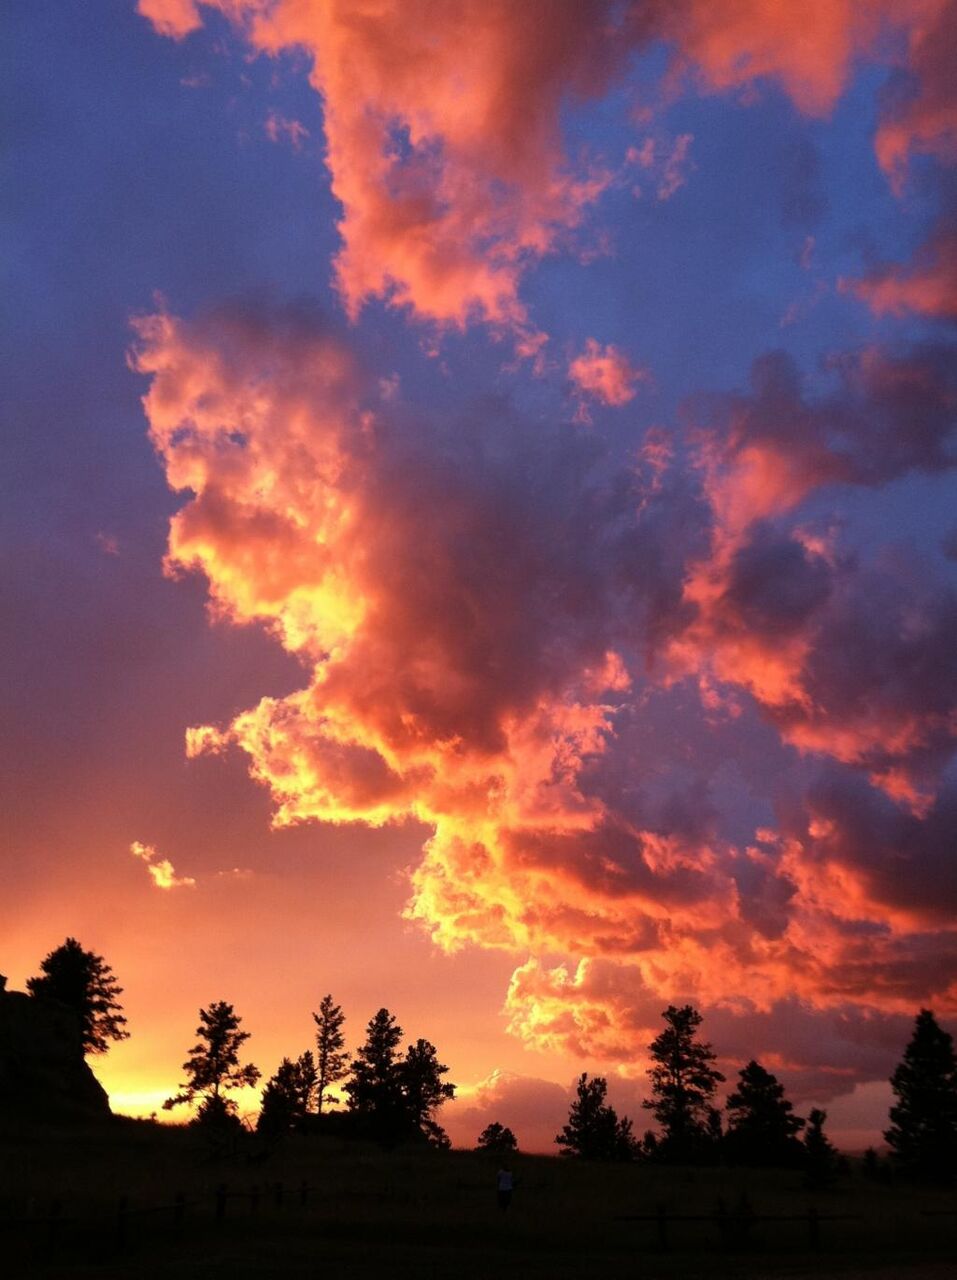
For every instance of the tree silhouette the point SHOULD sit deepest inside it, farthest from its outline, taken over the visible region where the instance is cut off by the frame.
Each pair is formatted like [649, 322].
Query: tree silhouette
[213, 1065]
[331, 1063]
[85, 982]
[820, 1157]
[393, 1098]
[308, 1082]
[497, 1138]
[374, 1087]
[923, 1132]
[593, 1130]
[287, 1097]
[762, 1128]
[423, 1090]
[683, 1083]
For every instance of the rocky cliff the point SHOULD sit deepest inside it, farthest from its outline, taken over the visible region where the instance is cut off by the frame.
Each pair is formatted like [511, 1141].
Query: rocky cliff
[43, 1074]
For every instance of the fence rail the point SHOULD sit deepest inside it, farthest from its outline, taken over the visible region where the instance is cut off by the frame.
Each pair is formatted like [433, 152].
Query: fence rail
[52, 1223]
[735, 1225]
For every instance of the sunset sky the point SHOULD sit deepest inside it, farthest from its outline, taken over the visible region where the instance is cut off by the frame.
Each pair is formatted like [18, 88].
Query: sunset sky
[479, 530]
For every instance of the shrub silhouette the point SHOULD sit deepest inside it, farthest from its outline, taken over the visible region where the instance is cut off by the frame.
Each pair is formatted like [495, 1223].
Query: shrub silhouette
[497, 1138]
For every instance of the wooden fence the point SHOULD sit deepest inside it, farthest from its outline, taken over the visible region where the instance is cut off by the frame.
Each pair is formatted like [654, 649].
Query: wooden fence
[735, 1227]
[54, 1222]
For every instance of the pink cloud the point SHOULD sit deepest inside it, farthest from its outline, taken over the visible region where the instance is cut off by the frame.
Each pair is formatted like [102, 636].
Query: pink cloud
[443, 136]
[605, 373]
[278, 129]
[927, 286]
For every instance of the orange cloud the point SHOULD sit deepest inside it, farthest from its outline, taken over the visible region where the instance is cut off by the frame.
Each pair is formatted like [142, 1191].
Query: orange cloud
[176, 18]
[469, 663]
[160, 869]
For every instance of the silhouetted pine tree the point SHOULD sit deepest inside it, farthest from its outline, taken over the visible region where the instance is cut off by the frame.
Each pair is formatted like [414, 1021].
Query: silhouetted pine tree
[497, 1138]
[424, 1091]
[762, 1129]
[374, 1087]
[923, 1132]
[394, 1098]
[213, 1065]
[308, 1082]
[683, 1083]
[821, 1160]
[287, 1097]
[593, 1130]
[331, 1062]
[85, 982]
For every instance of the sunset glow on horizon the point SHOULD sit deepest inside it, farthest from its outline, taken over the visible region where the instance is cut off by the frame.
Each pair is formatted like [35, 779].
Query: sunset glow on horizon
[482, 532]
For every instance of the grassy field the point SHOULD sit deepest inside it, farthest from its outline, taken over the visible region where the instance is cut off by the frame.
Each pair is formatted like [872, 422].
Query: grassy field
[429, 1215]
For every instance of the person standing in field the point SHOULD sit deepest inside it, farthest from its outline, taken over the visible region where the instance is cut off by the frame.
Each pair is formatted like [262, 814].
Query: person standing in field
[504, 1183]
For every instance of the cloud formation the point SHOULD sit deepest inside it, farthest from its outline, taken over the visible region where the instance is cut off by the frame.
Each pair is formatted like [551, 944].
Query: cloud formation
[160, 869]
[488, 613]
[442, 122]
[605, 373]
[669, 733]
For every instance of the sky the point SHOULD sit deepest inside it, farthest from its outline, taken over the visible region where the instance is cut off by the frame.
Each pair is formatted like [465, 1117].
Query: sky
[479, 530]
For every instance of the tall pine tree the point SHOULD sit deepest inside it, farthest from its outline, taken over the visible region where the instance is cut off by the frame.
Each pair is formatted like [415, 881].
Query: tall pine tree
[213, 1065]
[821, 1161]
[593, 1130]
[923, 1132]
[332, 1062]
[374, 1087]
[762, 1127]
[683, 1083]
[424, 1090]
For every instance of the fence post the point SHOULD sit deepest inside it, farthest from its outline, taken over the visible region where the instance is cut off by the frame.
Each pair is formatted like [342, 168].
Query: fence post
[179, 1208]
[220, 1202]
[277, 1194]
[814, 1227]
[254, 1199]
[303, 1192]
[661, 1219]
[122, 1222]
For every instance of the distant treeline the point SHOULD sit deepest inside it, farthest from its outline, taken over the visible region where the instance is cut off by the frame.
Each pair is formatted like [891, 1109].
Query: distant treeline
[394, 1097]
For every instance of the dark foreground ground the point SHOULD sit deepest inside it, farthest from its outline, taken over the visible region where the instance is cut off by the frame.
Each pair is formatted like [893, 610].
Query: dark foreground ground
[145, 1203]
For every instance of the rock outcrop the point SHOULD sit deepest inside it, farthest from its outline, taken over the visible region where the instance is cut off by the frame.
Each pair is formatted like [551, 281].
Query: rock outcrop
[43, 1074]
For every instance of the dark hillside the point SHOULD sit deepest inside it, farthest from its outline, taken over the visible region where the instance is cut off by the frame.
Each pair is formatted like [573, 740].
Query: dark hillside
[138, 1200]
